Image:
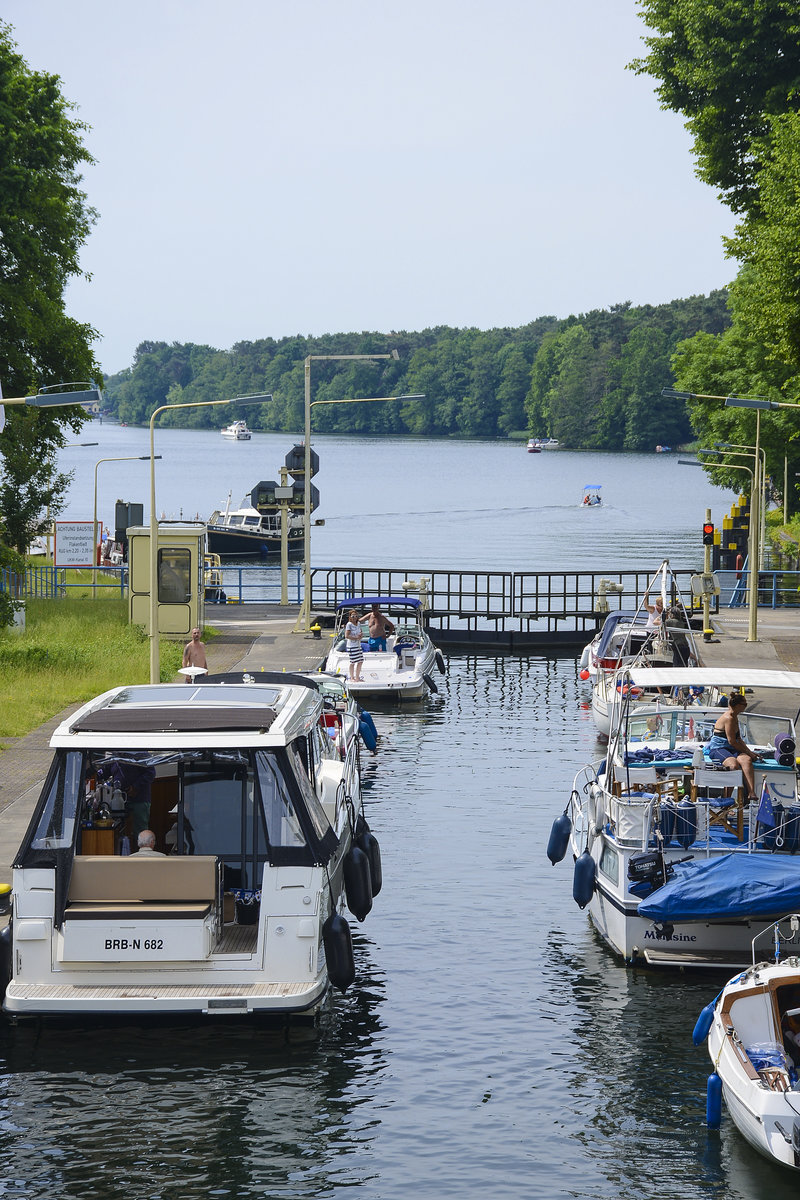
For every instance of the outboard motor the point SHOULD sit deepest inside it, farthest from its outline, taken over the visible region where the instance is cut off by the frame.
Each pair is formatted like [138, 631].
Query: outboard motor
[339, 952]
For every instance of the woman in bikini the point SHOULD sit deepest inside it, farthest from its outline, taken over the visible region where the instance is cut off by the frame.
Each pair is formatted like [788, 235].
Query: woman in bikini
[726, 746]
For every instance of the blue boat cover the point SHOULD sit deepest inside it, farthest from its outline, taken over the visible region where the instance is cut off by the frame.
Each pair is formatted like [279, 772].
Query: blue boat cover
[732, 885]
[357, 601]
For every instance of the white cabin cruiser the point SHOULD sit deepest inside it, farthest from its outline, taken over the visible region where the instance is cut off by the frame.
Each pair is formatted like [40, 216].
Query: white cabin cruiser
[259, 833]
[237, 431]
[635, 819]
[753, 1030]
[401, 671]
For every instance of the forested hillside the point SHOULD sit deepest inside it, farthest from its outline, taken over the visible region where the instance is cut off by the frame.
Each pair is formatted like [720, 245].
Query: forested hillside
[592, 381]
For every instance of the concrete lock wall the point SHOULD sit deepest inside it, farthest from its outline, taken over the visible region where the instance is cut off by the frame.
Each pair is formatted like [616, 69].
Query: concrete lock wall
[180, 578]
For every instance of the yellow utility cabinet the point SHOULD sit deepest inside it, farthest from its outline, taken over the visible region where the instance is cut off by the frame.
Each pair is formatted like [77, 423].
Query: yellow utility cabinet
[180, 578]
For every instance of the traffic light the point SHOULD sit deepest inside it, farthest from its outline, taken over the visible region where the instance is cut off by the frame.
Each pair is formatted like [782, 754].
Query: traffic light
[708, 533]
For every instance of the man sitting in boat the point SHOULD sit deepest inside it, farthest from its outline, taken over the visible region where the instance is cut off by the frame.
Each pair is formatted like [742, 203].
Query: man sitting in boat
[379, 627]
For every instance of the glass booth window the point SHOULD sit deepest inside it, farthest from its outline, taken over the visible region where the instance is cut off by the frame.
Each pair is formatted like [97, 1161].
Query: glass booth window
[174, 575]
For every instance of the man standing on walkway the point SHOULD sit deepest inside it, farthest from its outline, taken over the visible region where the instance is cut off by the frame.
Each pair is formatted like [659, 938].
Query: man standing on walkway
[194, 653]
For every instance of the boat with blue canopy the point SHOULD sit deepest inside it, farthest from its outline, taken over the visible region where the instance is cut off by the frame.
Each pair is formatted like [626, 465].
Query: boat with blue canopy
[677, 863]
[591, 496]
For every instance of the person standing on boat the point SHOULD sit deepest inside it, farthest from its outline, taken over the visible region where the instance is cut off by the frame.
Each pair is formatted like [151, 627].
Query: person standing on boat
[379, 627]
[655, 612]
[725, 745]
[194, 653]
[352, 634]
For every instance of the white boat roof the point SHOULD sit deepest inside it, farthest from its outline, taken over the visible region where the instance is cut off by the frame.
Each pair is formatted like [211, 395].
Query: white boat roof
[733, 677]
[183, 716]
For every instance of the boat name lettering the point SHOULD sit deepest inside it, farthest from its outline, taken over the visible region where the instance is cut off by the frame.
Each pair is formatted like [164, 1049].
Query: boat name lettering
[134, 944]
[676, 937]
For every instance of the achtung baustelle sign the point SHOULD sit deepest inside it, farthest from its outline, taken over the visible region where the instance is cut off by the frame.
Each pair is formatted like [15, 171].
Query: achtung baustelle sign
[74, 544]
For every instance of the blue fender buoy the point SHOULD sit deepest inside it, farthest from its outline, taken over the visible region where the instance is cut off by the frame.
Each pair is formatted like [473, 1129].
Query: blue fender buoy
[714, 1101]
[583, 879]
[367, 735]
[685, 823]
[703, 1023]
[338, 952]
[366, 717]
[357, 882]
[369, 844]
[559, 838]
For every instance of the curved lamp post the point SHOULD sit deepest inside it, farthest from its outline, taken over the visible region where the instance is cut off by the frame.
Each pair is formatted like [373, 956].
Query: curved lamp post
[124, 458]
[257, 398]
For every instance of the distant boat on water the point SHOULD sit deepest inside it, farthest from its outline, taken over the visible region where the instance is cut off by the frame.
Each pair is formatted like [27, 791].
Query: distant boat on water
[237, 432]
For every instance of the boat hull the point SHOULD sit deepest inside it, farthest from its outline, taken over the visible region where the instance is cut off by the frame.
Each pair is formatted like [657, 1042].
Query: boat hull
[237, 543]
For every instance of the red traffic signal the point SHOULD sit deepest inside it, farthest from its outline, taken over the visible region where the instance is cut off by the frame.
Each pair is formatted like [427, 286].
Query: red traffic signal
[708, 533]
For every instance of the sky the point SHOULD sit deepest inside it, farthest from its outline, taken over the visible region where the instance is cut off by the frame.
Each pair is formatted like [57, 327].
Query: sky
[267, 169]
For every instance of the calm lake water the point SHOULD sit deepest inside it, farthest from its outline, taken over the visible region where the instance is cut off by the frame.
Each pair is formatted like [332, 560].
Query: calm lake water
[491, 1047]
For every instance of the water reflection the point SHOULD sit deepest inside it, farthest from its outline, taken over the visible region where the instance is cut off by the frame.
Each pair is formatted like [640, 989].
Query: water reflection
[191, 1110]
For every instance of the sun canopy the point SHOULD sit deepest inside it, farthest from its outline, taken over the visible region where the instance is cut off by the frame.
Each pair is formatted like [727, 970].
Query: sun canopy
[356, 601]
[733, 886]
[712, 677]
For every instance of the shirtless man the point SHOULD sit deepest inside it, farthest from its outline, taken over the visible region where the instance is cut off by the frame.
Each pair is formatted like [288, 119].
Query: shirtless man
[194, 653]
[379, 627]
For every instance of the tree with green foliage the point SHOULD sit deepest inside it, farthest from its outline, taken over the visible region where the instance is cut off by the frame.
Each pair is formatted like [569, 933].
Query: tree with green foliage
[727, 66]
[44, 221]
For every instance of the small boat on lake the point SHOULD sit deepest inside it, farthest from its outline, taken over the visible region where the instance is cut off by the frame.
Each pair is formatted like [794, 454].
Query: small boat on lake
[753, 1030]
[259, 836]
[401, 671]
[656, 800]
[237, 431]
[591, 496]
[534, 446]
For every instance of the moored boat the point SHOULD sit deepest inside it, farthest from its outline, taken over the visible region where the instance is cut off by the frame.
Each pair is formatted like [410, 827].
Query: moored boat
[259, 832]
[400, 671]
[632, 819]
[753, 1030]
[245, 532]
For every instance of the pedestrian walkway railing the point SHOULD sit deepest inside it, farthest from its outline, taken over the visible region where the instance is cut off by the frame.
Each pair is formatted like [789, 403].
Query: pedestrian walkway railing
[257, 585]
[776, 589]
[47, 582]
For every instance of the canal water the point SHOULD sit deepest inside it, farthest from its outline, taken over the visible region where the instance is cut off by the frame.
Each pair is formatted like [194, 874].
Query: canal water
[491, 1047]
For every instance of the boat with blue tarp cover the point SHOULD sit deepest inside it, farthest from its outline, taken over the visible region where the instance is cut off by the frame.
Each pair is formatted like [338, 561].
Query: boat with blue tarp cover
[658, 800]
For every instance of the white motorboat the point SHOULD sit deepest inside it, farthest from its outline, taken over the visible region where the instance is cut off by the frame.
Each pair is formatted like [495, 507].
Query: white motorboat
[629, 639]
[237, 431]
[752, 1029]
[534, 446]
[401, 671]
[591, 497]
[257, 813]
[632, 820]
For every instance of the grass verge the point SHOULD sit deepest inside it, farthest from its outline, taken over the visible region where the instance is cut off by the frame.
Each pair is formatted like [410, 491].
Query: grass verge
[70, 651]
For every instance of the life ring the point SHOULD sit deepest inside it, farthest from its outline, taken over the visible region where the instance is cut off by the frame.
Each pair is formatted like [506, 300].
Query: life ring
[628, 689]
[739, 567]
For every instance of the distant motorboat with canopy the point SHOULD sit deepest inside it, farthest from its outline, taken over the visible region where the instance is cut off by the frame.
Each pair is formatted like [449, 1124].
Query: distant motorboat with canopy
[591, 496]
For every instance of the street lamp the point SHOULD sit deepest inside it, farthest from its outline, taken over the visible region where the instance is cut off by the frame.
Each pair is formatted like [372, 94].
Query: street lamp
[125, 458]
[257, 398]
[303, 623]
